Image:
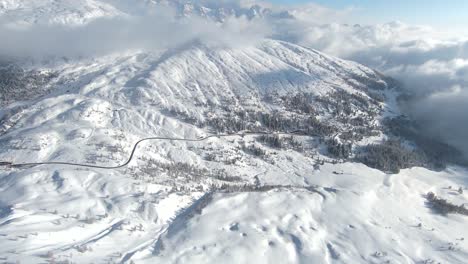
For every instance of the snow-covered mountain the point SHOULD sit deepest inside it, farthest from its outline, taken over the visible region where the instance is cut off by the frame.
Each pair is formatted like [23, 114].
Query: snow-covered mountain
[78, 12]
[62, 12]
[297, 192]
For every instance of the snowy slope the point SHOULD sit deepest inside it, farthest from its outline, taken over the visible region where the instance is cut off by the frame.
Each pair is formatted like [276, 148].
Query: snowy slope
[372, 218]
[79, 12]
[233, 199]
[155, 208]
[129, 97]
[63, 12]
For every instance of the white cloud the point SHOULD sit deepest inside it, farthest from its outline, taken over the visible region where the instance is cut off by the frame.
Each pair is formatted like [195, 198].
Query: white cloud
[153, 31]
[433, 67]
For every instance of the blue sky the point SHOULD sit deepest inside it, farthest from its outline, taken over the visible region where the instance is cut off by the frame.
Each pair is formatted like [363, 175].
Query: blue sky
[437, 13]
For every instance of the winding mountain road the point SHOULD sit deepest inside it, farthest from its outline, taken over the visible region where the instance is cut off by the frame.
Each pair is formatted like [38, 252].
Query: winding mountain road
[135, 146]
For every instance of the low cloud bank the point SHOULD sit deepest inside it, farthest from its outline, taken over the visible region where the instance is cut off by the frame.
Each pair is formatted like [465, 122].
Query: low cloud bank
[432, 68]
[160, 29]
